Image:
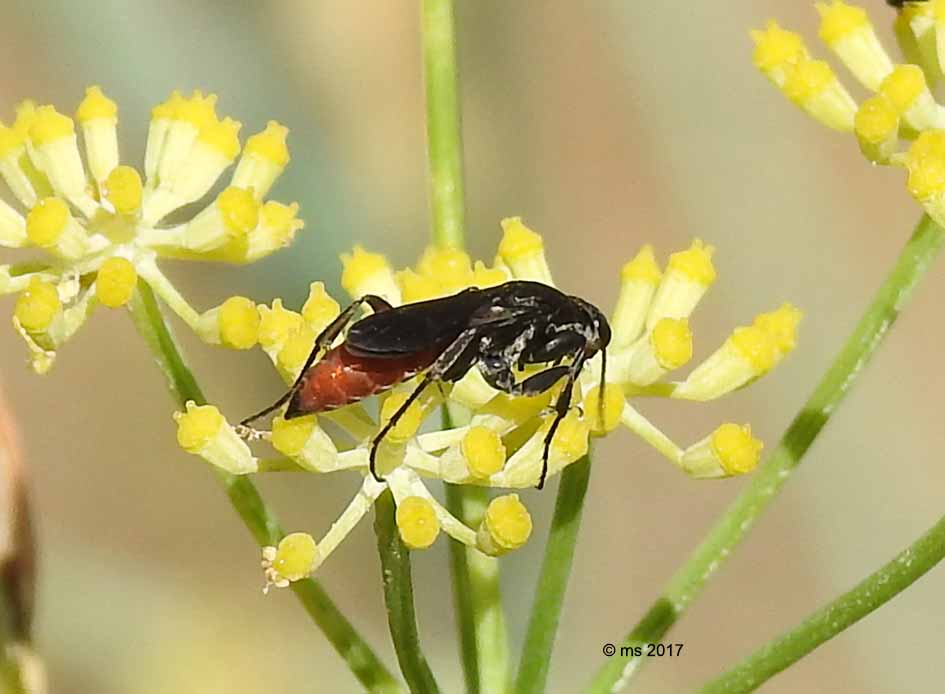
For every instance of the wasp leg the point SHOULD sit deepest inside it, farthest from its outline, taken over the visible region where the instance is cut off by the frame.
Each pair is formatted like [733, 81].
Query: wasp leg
[455, 360]
[562, 404]
[323, 342]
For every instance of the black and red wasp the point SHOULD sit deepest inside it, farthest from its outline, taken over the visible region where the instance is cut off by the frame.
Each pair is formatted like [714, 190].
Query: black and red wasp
[497, 329]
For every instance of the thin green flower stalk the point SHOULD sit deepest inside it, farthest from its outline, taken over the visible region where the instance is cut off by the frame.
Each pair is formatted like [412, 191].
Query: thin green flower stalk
[870, 594]
[247, 502]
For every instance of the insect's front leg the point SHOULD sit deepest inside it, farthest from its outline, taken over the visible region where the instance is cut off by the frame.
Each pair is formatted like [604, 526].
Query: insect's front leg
[454, 361]
[322, 342]
[562, 405]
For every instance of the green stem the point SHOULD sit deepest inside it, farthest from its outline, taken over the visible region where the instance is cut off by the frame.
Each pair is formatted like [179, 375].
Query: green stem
[555, 571]
[891, 298]
[444, 123]
[870, 594]
[247, 502]
[398, 595]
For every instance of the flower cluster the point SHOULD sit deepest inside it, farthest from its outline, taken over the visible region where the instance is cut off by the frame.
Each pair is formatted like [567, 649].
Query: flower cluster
[498, 441]
[102, 226]
[901, 107]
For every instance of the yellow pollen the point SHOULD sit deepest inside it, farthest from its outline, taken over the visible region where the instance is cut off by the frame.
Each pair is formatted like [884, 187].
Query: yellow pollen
[756, 346]
[838, 20]
[238, 322]
[445, 264]
[198, 426]
[781, 325]
[926, 164]
[642, 268]
[903, 86]
[359, 267]
[10, 140]
[417, 522]
[295, 556]
[37, 305]
[115, 282]
[96, 105]
[240, 211]
[613, 408]
[270, 144]
[508, 522]
[695, 262]
[807, 80]
[409, 422]
[876, 120]
[319, 309]
[123, 189]
[737, 451]
[289, 436]
[198, 110]
[486, 276]
[276, 324]
[414, 287]
[571, 436]
[46, 222]
[483, 451]
[223, 136]
[775, 47]
[296, 349]
[280, 219]
[518, 241]
[48, 125]
[672, 342]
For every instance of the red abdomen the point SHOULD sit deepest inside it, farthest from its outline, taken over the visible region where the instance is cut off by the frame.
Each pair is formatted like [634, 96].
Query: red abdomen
[340, 378]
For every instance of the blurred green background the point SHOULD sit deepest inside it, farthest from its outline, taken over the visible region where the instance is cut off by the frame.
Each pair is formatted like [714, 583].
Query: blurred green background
[605, 125]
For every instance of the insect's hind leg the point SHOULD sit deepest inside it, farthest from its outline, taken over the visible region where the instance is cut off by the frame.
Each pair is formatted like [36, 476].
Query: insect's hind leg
[323, 342]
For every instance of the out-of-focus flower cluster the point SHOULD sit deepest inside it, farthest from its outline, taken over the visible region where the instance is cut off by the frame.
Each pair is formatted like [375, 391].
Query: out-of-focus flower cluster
[900, 123]
[101, 226]
[499, 439]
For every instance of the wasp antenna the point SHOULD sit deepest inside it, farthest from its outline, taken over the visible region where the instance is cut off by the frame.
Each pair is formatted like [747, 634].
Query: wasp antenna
[601, 400]
[272, 408]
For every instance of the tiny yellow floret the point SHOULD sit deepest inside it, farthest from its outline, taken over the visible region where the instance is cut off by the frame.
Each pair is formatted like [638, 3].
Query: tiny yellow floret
[756, 347]
[776, 47]
[46, 222]
[926, 164]
[48, 125]
[289, 436]
[238, 322]
[417, 522]
[37, 305]
[508, 522]
[359, 267]
[280, 220]
[672, 342]
[276, 324]
[903, 86]
[448, 265]
[876, 120]
[612, 408]
[807, 80]
[518, 241]
[198, 426]
[643, 267]
[319, 309]
[737, 451]
[270, 144]
[223, 136]
[483, 451]
[295, 556]
[781, 324]
[695, 262]
[240, 211]
[296, 349]
[409, 422]
[115, 282]
[123, 189]
[484, 276]
[839, 20]
[570, 439]
[415, 287]
[96, 105]
[198, 110]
